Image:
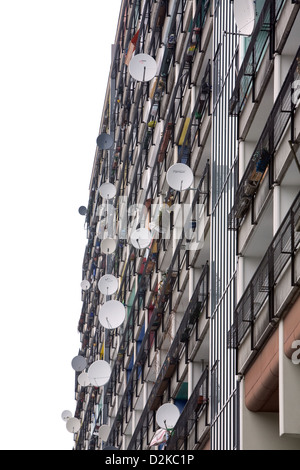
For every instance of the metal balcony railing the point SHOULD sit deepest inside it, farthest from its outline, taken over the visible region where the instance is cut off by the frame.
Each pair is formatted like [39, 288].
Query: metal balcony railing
[98, 167]
[168, 118]
[89, 400]
[281, 114]
[195, 406]
[198, 304]
[262, 36]
[262, 285]
[157, 316]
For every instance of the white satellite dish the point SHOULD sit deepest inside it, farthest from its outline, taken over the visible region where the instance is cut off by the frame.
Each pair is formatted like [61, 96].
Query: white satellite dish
[79, 363]
[244, 14]
[66, 415]
[142, 67]
[107, 190]
[99, 373]
[108, 246]
[82, 210]
[84, 380]
[104, 431]
[180, 177]
[105, 141]
[85, 285]
[141, 238]
[167, 416]
[73, 425]
[112, 314]
[108, 284]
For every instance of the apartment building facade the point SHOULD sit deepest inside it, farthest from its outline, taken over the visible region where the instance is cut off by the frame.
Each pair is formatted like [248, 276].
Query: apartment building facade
[212, 304]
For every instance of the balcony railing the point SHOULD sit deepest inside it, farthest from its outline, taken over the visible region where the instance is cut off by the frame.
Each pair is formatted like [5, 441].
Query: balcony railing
[263, 34]
[135, 310]
[156, 318]
[281, 114]
[198, 304]
[196, 405]
[262, 285]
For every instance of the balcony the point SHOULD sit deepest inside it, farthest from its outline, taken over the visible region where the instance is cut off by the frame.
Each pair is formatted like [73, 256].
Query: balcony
[196, 406]
[273, 286]
[197, 306]
[156, 321]
[262, 37]
[261, 163]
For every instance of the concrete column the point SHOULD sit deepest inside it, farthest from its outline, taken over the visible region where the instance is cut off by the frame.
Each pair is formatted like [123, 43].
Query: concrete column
[241, 159]
[242, 50]
[133, 420]
[240, 277]
[193, 98]
[157, 362]
[190, 378]
[175, 154]
[146, 319]
[276, 208]
[177, 70]
[145, 393]
[194, 7]
[117, 403]
[277, 75]
[191, 282]
[173, 329]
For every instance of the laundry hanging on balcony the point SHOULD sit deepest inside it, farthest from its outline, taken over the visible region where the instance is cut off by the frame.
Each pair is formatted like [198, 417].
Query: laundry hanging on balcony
[184, 131]
[262, 159]
[131, 48]
[165, 142]
[191, 49]
[160, 437]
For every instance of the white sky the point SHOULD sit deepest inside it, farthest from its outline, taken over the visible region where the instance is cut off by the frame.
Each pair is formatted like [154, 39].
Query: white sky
[54, 59]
